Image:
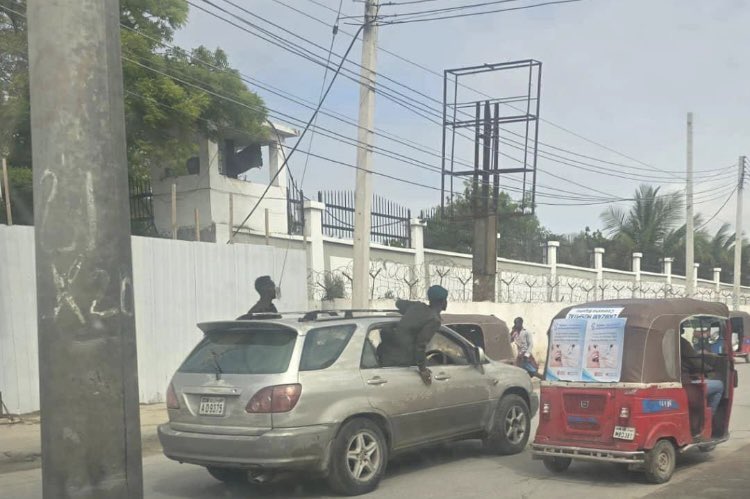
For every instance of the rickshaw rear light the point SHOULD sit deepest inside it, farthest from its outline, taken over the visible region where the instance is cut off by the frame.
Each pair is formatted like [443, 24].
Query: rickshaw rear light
[624, 412]
[546, 409]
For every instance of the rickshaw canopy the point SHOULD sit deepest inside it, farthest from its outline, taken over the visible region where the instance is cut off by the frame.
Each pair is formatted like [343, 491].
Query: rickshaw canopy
[651, 339]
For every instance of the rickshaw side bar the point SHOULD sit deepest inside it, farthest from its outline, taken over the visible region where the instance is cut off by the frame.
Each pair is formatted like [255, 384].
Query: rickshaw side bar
[599, 455]
[635, 386]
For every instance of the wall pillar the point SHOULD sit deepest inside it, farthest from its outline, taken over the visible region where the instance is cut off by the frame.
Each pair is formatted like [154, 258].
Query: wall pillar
[637, 272]
[717, 282]
[667, 270]
[314, 234]
[275, 161]
[418, 271]
[553, 287]
[599, 266]
[694, 276]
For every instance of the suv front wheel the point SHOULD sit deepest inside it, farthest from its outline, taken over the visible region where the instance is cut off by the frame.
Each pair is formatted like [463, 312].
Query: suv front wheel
[358, 458]
[511, 427]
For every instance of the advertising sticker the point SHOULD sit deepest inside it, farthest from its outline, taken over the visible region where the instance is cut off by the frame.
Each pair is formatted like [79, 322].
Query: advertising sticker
[594, 313]
[603, 350]
[566, 350]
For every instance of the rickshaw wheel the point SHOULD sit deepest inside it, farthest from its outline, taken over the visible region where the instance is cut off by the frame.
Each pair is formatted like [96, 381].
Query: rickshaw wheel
[660, 462]
[557, 464]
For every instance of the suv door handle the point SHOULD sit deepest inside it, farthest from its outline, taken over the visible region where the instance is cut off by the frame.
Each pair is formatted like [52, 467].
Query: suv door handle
[377, 380]
[441, 377]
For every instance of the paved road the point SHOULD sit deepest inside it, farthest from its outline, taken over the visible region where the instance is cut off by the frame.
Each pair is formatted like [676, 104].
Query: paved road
[461, 470]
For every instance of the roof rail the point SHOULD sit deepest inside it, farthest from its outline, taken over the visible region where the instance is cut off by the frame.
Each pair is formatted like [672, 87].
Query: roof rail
[347, 313]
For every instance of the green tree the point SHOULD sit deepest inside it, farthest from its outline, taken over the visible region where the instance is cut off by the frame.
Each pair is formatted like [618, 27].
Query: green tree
[521, 236]
[646, 226]
[163, 114]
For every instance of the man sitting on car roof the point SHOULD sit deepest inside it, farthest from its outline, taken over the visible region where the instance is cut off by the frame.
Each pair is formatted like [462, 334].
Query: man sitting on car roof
[406, 345]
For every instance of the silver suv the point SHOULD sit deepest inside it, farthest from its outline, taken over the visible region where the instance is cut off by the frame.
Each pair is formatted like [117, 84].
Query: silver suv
[309, 394]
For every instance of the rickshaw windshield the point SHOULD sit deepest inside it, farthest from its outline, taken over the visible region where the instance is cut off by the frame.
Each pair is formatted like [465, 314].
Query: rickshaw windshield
[623, 341]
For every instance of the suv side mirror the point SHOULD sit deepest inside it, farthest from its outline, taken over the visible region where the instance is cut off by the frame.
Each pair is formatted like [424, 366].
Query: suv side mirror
[481, 356]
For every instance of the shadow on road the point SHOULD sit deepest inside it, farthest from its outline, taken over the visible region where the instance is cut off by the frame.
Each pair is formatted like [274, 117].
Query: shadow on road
[469, 454]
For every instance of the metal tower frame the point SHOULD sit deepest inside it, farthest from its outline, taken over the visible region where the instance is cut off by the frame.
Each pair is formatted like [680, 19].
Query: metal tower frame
[457, 117]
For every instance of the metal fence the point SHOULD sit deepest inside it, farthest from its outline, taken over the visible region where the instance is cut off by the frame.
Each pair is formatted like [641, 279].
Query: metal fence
[141, 205]
[295, 208]
[390, 222]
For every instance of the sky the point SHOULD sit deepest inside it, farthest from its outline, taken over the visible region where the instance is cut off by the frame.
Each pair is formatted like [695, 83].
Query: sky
[618, 79]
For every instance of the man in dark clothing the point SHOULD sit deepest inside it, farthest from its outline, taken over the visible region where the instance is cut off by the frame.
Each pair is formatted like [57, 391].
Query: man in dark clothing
[266, 288]
[694, 365]
[406, 345]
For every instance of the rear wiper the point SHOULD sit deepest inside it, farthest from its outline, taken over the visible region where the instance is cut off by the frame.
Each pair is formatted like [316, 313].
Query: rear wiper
[217, 366]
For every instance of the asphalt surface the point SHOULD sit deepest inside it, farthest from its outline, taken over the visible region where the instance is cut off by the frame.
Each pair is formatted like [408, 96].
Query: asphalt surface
[462, 470]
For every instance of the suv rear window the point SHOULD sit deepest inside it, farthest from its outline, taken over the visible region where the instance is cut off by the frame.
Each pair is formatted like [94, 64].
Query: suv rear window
[242, 351]
[324, 345]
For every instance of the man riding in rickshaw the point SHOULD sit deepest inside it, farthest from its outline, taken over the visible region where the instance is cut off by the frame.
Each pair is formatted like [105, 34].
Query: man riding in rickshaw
[622, 384]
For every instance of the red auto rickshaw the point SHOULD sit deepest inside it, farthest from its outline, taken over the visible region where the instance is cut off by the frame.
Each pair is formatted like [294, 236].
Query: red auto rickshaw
[616, 388]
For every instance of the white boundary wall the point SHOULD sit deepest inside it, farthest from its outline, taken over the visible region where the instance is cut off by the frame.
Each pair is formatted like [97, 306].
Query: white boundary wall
[176, 283]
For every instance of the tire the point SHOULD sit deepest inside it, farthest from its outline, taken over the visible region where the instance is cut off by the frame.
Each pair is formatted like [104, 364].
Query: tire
[359, 455]
[660, 462]
[511, 427]
[557, 464]
[228, 475]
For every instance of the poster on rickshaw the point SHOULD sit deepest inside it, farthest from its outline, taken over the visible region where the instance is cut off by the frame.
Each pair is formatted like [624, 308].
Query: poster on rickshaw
[565, 361]
[594, 312]
[603, 350]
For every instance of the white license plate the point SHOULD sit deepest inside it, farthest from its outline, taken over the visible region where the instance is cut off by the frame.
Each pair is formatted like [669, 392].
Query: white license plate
[624, 433]
[211, 406]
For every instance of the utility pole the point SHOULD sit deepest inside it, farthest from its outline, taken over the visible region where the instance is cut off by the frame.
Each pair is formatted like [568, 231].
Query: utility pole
[484, 261]
[88, 373]
[689, 250]
[363, 188]
[738, 237]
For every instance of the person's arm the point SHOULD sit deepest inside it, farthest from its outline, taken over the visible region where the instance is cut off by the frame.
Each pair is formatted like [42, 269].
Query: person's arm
[529, 343]
[423, 338]
[404, 305]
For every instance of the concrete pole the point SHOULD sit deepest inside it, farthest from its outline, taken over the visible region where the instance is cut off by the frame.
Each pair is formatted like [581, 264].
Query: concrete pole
[738, 237]
[88, 372]
[689, 249]
[231, 218]
[363, 189]
[637, 257]
[174, 211]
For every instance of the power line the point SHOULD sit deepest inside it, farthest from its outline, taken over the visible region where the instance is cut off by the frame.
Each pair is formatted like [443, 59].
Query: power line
[478, 92]
[309, 123]
[408, 104]
[471, 14]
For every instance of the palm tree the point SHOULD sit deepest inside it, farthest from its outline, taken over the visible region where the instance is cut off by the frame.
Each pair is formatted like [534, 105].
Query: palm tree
[647, 225]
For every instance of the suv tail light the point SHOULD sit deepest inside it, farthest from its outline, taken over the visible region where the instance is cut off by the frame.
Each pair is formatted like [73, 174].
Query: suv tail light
[172, 402]
[280, 398]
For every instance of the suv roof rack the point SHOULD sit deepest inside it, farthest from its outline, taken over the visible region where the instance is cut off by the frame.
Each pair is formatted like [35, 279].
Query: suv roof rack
[347, 313]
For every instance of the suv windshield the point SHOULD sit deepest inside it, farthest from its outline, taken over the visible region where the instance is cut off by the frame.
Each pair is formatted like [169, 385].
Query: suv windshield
[242, 351]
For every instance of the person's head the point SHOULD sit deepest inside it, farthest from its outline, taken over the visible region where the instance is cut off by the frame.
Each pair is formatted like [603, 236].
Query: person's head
[438, 297]
[265, 287]
[518, 323]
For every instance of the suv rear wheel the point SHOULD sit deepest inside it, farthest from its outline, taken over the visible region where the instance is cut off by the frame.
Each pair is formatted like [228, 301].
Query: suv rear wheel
[228, 475]
[358, 458]
[511, 427]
